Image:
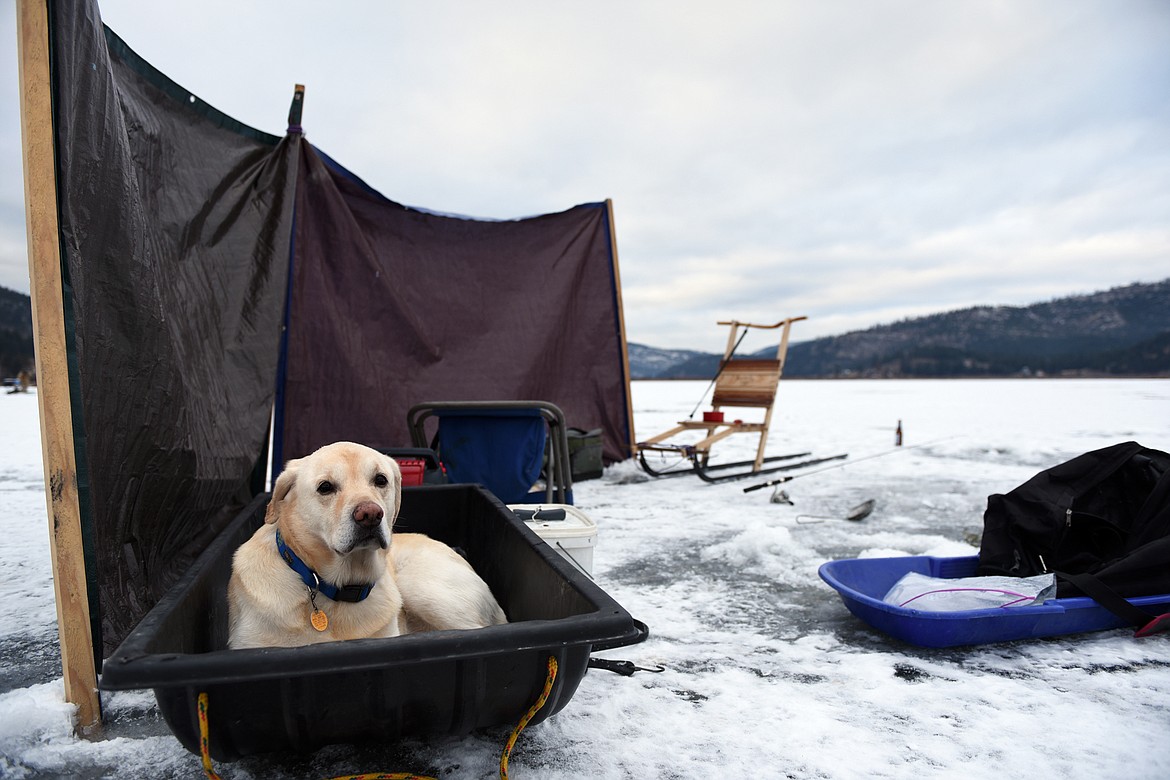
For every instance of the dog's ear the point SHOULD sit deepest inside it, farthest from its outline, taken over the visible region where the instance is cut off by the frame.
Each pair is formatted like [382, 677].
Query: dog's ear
[396, 483]
[284, 483]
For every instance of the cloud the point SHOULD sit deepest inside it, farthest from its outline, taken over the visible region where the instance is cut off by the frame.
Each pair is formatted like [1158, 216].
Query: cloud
[855, 161]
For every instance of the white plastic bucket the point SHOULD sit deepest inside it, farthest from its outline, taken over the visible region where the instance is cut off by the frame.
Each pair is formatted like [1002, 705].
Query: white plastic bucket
[574, 537]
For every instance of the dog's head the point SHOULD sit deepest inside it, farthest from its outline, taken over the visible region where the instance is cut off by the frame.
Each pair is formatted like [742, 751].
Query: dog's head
[337, 502]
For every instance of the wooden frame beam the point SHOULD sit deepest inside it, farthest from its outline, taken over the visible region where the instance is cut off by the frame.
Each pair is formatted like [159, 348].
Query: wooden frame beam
[617, 279]
[46, 291]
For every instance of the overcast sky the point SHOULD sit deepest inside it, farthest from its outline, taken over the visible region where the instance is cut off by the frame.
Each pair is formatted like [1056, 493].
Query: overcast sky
[856, 162]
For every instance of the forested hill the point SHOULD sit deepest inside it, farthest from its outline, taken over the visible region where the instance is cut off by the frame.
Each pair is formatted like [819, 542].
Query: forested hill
[16, 344]
[1120, 332]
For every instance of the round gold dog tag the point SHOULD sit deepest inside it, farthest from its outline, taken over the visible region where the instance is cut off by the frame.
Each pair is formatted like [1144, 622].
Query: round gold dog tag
[319, 620]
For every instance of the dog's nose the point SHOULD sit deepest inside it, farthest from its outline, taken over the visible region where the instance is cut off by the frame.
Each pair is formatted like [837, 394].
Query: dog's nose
[367, 514]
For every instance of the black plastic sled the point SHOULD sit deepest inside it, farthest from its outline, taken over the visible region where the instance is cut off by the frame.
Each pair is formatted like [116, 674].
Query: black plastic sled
[442, 683]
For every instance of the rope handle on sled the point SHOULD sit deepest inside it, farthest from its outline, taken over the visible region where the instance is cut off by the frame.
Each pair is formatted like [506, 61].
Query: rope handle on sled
[204, 745]
[511, 743]
[550, 678]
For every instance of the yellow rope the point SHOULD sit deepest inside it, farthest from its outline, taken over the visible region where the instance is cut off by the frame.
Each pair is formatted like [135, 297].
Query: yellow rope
[548, 684]
[205, 747]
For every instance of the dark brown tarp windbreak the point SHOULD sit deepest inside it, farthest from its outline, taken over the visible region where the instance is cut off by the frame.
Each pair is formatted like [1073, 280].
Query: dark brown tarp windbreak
[177, 228]
[175, 225]
[393, 306]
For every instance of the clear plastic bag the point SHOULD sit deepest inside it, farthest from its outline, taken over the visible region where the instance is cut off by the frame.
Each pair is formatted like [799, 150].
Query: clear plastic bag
[933, 594]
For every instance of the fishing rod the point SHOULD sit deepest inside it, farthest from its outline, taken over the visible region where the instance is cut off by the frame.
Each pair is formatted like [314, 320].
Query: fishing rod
[782, 480]
[722, 365]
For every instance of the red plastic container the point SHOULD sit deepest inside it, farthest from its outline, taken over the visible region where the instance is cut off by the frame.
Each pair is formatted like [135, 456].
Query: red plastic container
[712, 416]
[412, 471]
[419, 465]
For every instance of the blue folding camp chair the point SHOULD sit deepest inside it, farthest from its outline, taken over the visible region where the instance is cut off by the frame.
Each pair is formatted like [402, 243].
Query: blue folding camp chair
[509, 447]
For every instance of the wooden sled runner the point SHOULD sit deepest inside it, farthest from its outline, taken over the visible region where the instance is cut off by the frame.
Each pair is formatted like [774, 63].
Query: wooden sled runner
[743, 383]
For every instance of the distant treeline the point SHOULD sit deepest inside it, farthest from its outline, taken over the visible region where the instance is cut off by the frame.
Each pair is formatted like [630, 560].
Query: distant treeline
[16, 342]
[1120, 332]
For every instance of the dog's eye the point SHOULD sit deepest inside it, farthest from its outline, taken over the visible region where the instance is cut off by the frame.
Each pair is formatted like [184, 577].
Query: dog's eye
[325, 487]
[381, 481]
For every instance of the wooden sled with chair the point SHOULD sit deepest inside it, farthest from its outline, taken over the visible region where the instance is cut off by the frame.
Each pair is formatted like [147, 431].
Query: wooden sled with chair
[739, 383]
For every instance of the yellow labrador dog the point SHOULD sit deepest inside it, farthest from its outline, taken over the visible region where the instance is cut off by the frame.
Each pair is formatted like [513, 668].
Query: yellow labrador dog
[325, 565]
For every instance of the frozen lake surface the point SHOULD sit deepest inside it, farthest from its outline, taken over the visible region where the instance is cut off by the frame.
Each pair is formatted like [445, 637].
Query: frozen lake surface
[766, 673]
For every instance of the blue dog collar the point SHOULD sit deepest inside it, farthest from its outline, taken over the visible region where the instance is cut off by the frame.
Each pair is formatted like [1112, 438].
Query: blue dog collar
[316, 585]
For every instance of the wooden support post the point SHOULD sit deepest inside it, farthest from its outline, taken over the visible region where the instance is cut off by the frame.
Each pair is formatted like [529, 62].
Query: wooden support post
[44, 265]
[731, 338]
[617, 281]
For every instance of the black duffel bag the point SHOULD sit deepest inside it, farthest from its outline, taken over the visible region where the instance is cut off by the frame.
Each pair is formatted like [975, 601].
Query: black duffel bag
[1100, 522]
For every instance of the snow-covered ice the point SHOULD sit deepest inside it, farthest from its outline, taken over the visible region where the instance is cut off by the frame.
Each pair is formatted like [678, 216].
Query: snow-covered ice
[766, 673]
